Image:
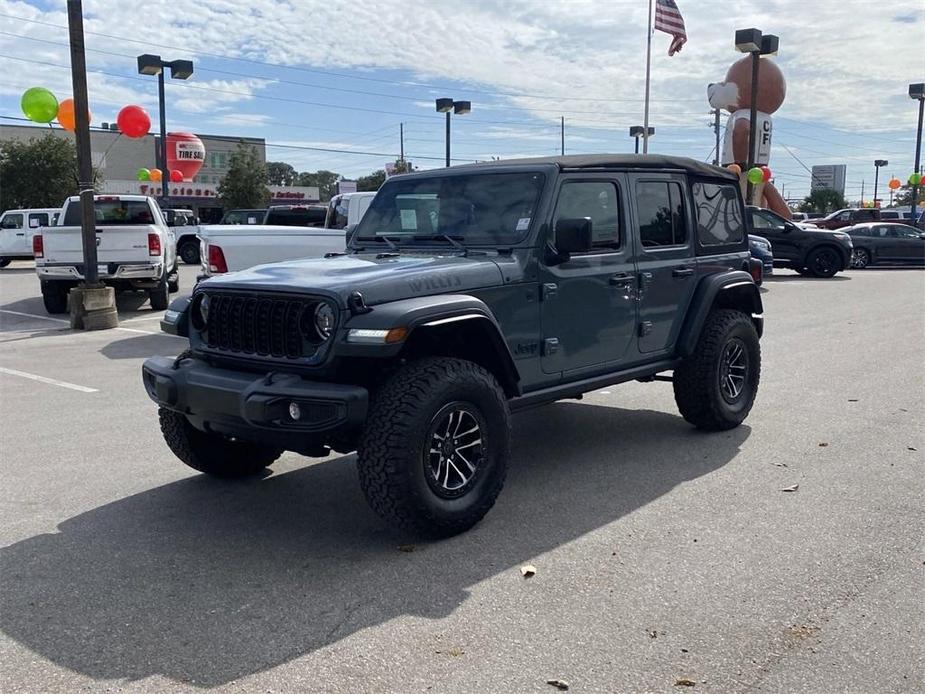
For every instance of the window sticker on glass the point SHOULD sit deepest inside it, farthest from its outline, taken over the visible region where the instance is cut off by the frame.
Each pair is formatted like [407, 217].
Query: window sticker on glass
[251, 220]
[523, 224]
[34, 223]
[409, 220]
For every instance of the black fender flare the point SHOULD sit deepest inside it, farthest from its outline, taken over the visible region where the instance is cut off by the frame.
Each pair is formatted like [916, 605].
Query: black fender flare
[176, 318]
[432, 313]
[732, 289]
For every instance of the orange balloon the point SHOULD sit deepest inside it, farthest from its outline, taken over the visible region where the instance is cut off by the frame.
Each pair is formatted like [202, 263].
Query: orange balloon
[735, 168]
[895, 183]
[156, 175]
[66, 116]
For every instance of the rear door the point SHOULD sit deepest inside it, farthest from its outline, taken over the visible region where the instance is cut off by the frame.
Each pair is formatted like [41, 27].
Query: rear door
[588, 302]
[665, 258]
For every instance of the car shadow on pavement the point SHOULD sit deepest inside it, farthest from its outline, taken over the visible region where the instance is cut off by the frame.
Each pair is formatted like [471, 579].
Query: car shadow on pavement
[840, 277]
[144, 346]
[205, 581]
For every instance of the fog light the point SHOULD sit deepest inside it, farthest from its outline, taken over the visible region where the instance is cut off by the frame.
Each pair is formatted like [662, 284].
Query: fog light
[295, 412]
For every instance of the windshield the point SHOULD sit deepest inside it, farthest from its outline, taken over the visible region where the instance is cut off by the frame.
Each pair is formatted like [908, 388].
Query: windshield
[491, 209]
[122, 212]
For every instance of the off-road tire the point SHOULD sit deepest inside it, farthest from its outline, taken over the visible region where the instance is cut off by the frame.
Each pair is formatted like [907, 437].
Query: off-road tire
[189, 252]
[211, 453]
[160, 296]
[823, 262]
[54, 296]
[697, 380]
[391, 457]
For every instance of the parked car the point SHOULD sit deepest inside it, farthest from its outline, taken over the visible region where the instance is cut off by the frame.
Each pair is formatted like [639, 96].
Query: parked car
[347, 209]
[296, 215]
[760, 248]
[243, 216]
[798, 217]
[17, 228]
[228, 248]
[186, 228]
[848, 217]
[904, 216]
[467, 294]
[889, 243]
[135, 250]
[815, 252]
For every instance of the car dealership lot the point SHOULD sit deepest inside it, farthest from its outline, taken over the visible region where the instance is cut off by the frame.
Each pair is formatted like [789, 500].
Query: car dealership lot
[661, 553]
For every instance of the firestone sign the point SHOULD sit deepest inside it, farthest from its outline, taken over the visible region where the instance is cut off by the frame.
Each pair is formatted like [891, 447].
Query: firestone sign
[278, 194]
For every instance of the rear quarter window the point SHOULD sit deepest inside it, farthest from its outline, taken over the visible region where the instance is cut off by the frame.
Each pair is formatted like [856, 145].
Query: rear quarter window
[718, 211]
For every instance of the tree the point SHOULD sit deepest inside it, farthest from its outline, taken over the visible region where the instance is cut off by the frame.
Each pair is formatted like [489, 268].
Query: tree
[245, 184]
[823, 201]
[279, 173]
[39, 173]
[325, 181]
[373, 181]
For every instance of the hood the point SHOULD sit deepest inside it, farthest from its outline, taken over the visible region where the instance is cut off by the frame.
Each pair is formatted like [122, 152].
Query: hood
[380, 279]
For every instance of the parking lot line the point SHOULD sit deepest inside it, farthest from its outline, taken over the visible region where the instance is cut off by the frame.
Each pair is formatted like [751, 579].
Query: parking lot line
[33, 315]
[50, 381]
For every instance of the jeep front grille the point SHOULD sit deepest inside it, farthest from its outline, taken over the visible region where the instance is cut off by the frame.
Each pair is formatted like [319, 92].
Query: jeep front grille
[259, 325]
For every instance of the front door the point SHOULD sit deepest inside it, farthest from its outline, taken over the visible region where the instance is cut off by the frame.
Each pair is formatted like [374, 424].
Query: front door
[767, 224]
[665, 262]
[589, 301]
[12, 234]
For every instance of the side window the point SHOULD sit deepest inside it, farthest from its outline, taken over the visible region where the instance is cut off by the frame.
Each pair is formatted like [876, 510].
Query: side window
[661, 214]
[597, 200]
[38, 219]
[12, 221]
[719, 214]
[891, 232]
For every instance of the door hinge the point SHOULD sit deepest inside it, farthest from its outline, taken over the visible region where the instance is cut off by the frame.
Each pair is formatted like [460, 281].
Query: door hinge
[548, 290]
[550, 346]
[645, 328]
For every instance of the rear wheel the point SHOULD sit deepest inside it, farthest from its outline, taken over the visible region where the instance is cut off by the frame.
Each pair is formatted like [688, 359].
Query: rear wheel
[434, 452]
[211, 453]
[715, 386]
[54, 296]
[160, 296]
[860, 258]
[823, 262]
[173, 280]
[189, 252]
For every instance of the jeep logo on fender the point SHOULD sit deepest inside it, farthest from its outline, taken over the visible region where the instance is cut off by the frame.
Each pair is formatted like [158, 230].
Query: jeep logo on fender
[434, 282]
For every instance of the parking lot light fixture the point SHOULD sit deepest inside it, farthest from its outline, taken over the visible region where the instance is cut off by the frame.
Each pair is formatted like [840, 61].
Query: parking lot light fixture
[638, 132]
[448, 106]
[877, 164]
[756, 43]
[917, 91]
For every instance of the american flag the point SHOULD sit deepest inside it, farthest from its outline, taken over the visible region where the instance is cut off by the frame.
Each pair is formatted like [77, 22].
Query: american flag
[668, 19]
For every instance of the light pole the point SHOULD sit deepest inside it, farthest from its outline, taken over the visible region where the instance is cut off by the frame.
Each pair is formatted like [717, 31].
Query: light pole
[752, 41]
[179, 70]
[917, 91]
[638, 132]
[877, 164]
[447, 106]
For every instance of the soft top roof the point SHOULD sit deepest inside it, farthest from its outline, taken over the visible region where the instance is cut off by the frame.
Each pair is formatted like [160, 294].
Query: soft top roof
[628, 161]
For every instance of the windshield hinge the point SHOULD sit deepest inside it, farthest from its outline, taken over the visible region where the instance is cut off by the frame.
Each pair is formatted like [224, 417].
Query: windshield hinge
[548, 290]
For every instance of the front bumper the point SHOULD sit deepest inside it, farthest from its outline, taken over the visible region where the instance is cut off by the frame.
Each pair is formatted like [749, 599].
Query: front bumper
[255, 407]
[107, 271]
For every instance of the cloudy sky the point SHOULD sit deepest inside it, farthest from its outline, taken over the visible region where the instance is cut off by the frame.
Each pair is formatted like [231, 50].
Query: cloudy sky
[310, 75]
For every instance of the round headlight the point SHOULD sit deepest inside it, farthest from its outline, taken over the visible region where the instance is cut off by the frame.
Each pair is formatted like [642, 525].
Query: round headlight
[324, 320]
[200, 313]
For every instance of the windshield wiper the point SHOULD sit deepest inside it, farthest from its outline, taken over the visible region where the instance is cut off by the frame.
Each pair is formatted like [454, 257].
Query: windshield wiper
[377, 237]
[452, 240]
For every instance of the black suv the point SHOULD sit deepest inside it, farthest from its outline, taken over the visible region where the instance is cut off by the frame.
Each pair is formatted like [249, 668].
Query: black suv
[814, 252]
[466, 294]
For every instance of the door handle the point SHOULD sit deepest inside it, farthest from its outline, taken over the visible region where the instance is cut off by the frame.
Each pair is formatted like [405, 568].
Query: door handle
[20, 233]
[682, 272]
[621, 279]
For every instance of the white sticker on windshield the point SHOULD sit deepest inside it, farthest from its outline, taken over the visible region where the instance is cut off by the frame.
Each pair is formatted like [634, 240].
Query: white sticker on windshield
[523, 224]
[34, 223]
[409, 220]
[251, 220]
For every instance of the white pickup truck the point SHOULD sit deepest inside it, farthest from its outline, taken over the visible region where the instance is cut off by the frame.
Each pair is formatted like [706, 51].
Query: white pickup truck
[135, 250]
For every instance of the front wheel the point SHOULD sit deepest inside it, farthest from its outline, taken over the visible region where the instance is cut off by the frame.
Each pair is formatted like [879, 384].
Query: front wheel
[211, 453]
[823, 262]
[715, 386]
[433, 456]
[860, 258]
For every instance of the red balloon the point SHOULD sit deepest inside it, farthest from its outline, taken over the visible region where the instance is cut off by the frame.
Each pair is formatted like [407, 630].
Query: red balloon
[176, 175]
[765, 173]
[133, 121]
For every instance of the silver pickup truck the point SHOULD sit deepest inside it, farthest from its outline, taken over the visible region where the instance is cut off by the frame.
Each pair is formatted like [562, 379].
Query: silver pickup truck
[136, 250]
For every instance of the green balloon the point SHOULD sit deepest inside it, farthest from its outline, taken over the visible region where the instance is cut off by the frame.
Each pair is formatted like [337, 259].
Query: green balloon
[755, 175]
[915, 179]
[144, 174]
[39, 105]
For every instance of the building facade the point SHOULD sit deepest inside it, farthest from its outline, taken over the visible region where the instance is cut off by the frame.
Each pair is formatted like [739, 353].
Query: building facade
[119, 158]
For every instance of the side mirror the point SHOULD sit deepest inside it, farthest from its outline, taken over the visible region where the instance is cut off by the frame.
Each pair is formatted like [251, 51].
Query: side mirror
[573, 236]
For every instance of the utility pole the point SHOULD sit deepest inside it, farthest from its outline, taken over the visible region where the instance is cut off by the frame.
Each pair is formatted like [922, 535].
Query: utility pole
[862, 192]
[562, 133]
[716, 133]
[401, 136]
[92, 306]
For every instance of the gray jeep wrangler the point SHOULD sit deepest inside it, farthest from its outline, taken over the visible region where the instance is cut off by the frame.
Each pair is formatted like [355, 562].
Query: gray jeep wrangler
[466, 294]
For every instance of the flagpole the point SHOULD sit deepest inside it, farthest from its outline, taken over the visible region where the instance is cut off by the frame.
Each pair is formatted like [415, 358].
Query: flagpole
[645, 127]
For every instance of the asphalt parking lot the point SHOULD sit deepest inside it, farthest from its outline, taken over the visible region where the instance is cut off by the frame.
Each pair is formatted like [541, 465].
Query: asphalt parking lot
[664, 557]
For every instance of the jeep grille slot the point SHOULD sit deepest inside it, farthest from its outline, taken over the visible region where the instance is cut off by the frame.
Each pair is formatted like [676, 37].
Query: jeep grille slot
[262, 326]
